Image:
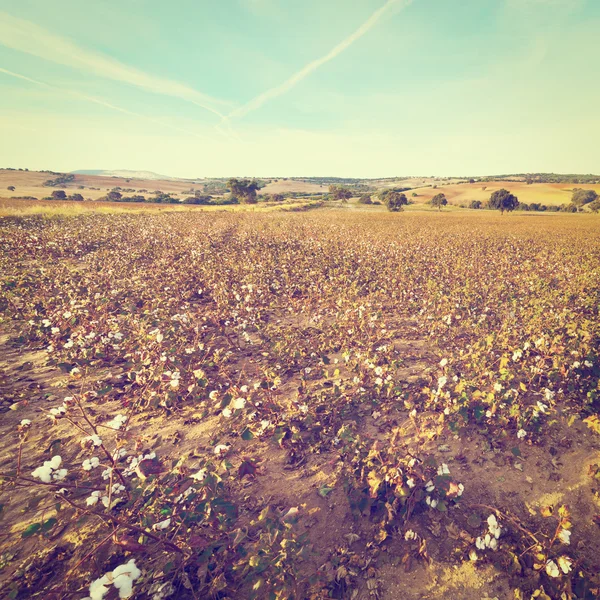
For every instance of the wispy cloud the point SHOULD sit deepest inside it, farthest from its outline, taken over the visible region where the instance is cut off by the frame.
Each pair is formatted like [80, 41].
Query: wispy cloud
[25, 36]
[101, 103]
[312, 66]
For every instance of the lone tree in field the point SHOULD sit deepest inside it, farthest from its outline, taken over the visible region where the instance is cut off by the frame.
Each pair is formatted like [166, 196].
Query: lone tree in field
[439, 200]
[503, 200]
[77, 197]
[393, 200]
[244, 190]
[339, 192]
[582, 197]
[11, 188]
[475, 204]
[59, 195]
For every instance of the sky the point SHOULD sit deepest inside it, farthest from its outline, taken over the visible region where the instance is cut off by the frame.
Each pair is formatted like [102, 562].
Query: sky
[363, 88]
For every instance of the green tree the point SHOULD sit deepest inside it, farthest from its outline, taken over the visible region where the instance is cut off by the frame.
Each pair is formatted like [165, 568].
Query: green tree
[339, 192]
[244, 190]
[393, 200]
[59, 195]
[11, 188]
[439, 200]
[77, 197]
[582, 197]
[365, 199]
[476, 204]
[503, 200]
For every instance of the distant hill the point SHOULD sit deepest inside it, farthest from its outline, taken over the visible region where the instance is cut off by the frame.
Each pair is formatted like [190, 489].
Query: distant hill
[126, 174]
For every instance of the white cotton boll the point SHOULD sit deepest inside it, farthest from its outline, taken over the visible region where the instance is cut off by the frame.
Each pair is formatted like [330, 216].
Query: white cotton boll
[552, 569]
[199, 476]
[44, 473]
[492, 522]
[55, 462]
[125, 586]
[493, 543]
[117, 422]
[565, 536]
[226, 412]
[92, 500]
[98, 588]
[238, 403]
[564, 562]
[162, 525]
[60, 474]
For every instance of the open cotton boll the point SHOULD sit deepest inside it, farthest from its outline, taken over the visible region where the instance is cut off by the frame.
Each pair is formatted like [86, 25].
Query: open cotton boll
[55, 462]
[44, 473]
[124, 576]
[98, 588]
[117, 422]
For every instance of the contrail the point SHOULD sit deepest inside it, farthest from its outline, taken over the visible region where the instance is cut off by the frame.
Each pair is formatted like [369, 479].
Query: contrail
[25, 36]
[287, 85]
[102, 103]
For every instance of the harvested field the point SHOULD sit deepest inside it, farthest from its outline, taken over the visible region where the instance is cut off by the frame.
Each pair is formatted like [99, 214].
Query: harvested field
[322, 405]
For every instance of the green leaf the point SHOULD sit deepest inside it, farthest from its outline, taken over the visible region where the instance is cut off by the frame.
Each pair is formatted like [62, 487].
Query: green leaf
[325, 490]
[516, 451]
[49, 524]
[31, 530]
[247, 434]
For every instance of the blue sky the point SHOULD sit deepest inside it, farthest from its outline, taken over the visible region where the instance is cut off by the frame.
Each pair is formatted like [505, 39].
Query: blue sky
[368, 88]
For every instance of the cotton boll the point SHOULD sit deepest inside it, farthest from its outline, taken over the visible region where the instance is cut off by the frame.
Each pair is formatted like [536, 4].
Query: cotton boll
[55, 462]
[125, 586]
[98, 588]
[44, 473]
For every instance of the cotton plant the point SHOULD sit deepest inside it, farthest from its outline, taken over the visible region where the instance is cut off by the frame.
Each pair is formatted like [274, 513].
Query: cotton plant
[122, 578]
[489, 541]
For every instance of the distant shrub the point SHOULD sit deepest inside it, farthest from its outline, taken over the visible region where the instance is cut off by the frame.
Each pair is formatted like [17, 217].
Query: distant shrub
[60, 180]
[58, 195]
[365, 199]
[77, 197]
[475, 204]
[11, 188]
[570, 208]
[198, 199]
